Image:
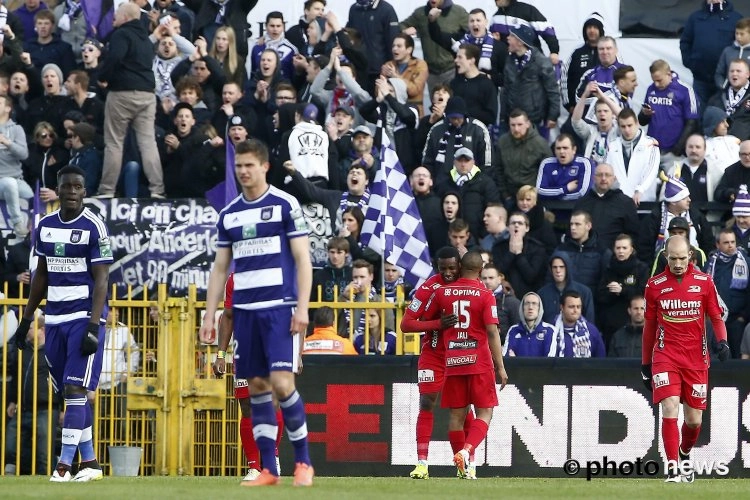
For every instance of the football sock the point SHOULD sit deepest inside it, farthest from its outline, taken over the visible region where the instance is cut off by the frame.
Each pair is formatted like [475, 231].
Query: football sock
[264, 429]
[73, 422]
[477, 433]
[457, 440]
[689, 437]
[252, 455]
[425, 420]
[86, 444]
[671, 437]
[280, 433]
[293, 410]
[467, 427]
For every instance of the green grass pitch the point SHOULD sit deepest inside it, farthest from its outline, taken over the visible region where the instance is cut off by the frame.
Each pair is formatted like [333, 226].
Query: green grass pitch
[361, 488]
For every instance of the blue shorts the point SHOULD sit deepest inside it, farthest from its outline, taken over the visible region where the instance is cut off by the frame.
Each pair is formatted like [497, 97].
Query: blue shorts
[67, 364]
[263, 342]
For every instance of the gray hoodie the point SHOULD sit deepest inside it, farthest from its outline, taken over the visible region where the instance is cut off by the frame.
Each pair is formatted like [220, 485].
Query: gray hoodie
[12, 155]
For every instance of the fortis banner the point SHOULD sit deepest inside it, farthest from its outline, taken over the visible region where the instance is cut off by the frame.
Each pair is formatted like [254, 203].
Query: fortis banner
[557, 418]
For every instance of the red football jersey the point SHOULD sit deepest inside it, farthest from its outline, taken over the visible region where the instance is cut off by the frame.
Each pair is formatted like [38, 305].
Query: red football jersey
[467, 349]
[680, 309]
[418, 304]
[228, 291]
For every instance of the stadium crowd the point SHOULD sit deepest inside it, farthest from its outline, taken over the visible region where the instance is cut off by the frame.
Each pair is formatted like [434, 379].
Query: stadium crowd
[540, 159]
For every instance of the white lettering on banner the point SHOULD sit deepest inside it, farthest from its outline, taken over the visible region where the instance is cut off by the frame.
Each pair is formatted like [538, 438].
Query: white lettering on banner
[161, 213]
[181, 279]
[173, 242]
[321, 230]
[570, 419]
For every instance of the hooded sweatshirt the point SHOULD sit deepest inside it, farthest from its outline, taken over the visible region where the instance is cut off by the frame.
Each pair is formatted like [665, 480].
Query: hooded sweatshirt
[528, 340]
[581, 60]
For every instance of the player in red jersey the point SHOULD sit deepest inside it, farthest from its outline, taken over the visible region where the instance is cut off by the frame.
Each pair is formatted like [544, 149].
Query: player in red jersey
[473, 355]
[241, 391]
[675, 350]
[431, 366]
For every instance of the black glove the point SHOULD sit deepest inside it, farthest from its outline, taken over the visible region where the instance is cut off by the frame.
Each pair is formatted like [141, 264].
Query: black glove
[91, 340]
[21, 332]
[646, 375]
[723, 351]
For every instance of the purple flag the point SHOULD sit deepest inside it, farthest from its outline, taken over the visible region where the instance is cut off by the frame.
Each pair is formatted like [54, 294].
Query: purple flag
[99, 15]
[225, 191]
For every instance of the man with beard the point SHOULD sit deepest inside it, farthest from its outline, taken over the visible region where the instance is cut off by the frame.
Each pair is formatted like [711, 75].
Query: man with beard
[171, 50]
[597, 136]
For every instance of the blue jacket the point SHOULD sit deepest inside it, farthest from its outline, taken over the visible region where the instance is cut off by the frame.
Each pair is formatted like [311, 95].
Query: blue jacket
[736, 299]
[587, 260]
[388, 345]
[525, 341]
[707, 32]
[582, 344]
[553, 179]
[550, 295]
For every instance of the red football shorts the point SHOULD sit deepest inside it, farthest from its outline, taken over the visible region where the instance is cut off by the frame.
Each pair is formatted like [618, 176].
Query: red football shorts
[431, 369]
[241, 390]
[690, 385]
[478, 389]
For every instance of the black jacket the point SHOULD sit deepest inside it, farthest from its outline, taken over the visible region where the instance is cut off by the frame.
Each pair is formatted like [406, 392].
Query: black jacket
[27, 396]
[626, 342]
[235, 16]
[739, 120]
[612, 308]
[611, 214]
[480, 94]
[582, 59]
[524, 271]
[651, 224]
[129, 59]
[587, 260]
[729, 184]
[433, 222]
[474, 194]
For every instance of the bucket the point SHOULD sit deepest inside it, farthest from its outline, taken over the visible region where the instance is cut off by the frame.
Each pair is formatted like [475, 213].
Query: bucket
[125, 460]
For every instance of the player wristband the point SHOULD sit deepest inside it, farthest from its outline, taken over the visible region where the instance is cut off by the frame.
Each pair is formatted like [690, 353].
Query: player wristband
[221, 354]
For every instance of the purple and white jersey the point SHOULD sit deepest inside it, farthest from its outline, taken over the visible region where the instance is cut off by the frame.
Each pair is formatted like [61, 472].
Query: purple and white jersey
[672, 107]
[258, 232]
[71, 249]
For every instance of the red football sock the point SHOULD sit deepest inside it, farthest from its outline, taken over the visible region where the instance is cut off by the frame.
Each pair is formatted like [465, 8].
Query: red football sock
[689, 437]
[425, 421]
[477, 433]
[457, 440]
[280, 431]
[252, 455]
[467, 428]
[670, 435]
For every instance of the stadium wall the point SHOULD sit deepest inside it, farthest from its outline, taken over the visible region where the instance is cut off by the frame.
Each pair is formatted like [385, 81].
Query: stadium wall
[361, 420]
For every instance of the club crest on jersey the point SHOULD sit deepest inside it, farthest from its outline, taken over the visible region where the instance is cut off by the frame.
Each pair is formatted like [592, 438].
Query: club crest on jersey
[249, 231]
[75, 236]
[266, 213]
[629, 279]
[59, 249]
[573, 171]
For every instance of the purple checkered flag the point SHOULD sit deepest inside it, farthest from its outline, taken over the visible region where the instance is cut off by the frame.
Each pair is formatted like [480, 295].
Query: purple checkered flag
[393, 226]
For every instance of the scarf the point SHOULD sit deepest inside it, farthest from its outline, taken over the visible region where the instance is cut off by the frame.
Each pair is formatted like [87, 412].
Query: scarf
[579, 336]
[732, 99]
[221, 14]
[523, 60]
[341, 97]
[72, 9]
[362, 203]
[739, 270]
[359, 329]
[3, 21]
[461, 179]
[389, 289]
[163, 73]
[458, 141]
[627, 149]
[274, 44]
[599, 149]
[662, 237]
[486, 43]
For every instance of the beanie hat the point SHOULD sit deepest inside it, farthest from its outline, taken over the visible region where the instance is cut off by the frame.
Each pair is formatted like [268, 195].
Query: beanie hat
[456, 107]
[712, 116]
[742, 202]
[56, 69]
[675, 190]
[236, 121]
[525, 34]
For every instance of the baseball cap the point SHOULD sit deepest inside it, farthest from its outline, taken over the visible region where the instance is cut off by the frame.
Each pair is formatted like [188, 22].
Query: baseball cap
[464, 152]
[93, 41]
[363, 129]
[678, 223]
[346, 109]
[310, 113]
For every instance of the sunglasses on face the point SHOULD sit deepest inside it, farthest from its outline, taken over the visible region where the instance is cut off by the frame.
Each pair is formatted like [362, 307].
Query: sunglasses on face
[43, 135]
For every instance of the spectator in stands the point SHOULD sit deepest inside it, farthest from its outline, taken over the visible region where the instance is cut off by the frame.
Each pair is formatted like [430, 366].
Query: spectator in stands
[612, 213]
[26, 14]
[10, 50]
[737, 50]
[678, 226]
[582, 248]
[670, 111]
[707, 32]
[450, 18]
[514, 14]
[392, 281]
[46, 157]
[700, 176]
[540, 221]
[47, 47]
[224, 51]
[728, 266]
[734, 176]
[51, 105]
[352, 47]
[352, 219]
[72, 25]
[331, 280]
[347, 91]
[596, 136]
[508, 306]
[627, 340]
[360, 289]
[211, 15]
[528, 336]
[478, 91]
[551, 293]
[91, 52]
[521, 257]
[439, 96]
[260, 89]
[373, 340]
[412, 70]
[582, 59]
[377, 23]
[475, 188]
[530, 82]
[626, 82]
[676, 204]
[130, 101]
[634, 158]
[604, 73]
[13, 151]
[518, 154]
[172, 48]
[85, 155]
[232, 105]
[92, 108]
[460, 237]
[361, 152]
[308, 148]
[565, 176]
[493, 52]
[456, 131]
[185, 17]
[429, 206]
[451, 207]
[324, 339]
[275, 40]
[575, 336]
[16, 270]
[341, 129]
[189, 91]
[312, 67]
[624, 278]
[722, 149]
[495, 225]
[312, 18]
[206, 70]
[741, 224]
[733, 99]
